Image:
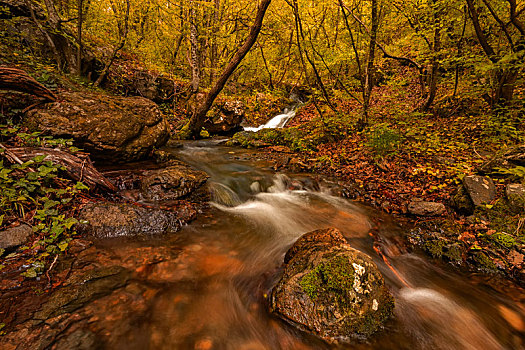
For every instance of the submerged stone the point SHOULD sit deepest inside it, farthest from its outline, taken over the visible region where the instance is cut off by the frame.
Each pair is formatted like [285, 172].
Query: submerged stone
[330, 289]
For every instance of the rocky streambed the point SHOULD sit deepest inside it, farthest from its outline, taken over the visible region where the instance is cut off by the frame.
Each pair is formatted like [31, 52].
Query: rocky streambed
[240, 276]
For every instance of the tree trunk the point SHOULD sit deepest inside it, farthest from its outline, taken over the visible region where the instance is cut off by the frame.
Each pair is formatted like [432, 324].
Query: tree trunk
[119, 47]
[194, 50]
[369, 78]
[300, 35]
[434, 67]
[18, 80]
[214, 59]
[80, 4]
[194, 126]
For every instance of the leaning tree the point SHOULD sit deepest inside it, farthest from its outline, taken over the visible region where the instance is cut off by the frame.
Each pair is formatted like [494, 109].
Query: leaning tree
[194, 126]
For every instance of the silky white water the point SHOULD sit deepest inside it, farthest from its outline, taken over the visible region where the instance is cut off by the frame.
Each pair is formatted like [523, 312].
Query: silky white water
[277, 122]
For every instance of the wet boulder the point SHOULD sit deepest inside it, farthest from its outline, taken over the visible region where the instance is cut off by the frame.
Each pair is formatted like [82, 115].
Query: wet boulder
[173, 182]
[226, 118]
[330, 289]
[114, 220]
[112, 129]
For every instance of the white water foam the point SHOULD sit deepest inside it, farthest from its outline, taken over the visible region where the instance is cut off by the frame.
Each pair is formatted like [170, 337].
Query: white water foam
[277, 122]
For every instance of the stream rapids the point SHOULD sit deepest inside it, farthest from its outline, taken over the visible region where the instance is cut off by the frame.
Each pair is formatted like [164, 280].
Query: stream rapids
[206, 286]
[257, 215]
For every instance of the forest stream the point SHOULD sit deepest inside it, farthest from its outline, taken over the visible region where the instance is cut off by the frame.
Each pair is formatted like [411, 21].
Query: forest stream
[382, 207]
[210, 290]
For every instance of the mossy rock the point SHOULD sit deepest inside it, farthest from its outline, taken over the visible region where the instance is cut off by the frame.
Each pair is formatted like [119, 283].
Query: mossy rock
[331, 290]
[515, 194]
[483, 262]
[462, 202]
[112, 129]
[454, 253]
[435, 247]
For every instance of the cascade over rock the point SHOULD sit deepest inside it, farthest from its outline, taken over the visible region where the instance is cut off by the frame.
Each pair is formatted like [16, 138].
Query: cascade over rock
[330, 289]
[112, 129]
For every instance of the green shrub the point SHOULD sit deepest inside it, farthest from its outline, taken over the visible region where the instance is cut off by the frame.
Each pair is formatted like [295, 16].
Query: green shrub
[384, 141]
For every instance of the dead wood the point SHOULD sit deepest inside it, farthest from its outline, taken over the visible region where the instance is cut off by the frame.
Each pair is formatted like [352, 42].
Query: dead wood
[14, 79]
[77, 168]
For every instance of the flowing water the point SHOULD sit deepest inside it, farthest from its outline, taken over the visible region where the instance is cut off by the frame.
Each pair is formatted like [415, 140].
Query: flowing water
[235, 251]
[277, 122]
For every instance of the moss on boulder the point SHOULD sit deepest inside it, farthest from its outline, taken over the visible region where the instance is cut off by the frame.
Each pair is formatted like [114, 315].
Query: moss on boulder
[330, 289]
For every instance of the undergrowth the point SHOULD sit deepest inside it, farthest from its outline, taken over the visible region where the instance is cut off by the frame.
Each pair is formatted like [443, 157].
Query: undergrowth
[33, 193]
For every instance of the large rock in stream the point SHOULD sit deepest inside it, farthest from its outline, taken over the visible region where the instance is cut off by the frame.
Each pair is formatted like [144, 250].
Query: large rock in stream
[115, 220]
[112, 129]
[330, 289]
[174, 182]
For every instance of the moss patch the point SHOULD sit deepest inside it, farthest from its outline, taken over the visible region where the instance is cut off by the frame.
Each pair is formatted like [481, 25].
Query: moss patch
[335, 275]
[484, 262]
[435, 247]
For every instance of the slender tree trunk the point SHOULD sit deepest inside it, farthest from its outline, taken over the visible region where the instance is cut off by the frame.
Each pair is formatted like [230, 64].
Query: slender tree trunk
[434, 67]
[119, 47]
[370, 70]
[194, 50]
[56, 53]
[214, 46]
[194, 126]
[460, 52]
[267, 67]
[180, 38]
[300, 37]
[80, 4]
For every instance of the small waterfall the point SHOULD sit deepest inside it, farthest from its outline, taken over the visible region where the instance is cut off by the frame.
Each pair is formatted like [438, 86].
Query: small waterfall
[277, 122]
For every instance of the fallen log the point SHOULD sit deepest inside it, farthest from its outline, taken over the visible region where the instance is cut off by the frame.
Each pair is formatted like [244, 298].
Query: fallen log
[13, 79]
[79, 169]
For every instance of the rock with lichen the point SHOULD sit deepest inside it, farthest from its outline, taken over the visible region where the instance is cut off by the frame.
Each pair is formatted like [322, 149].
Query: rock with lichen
[481, 189]
[475, 191]
[330, 289]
